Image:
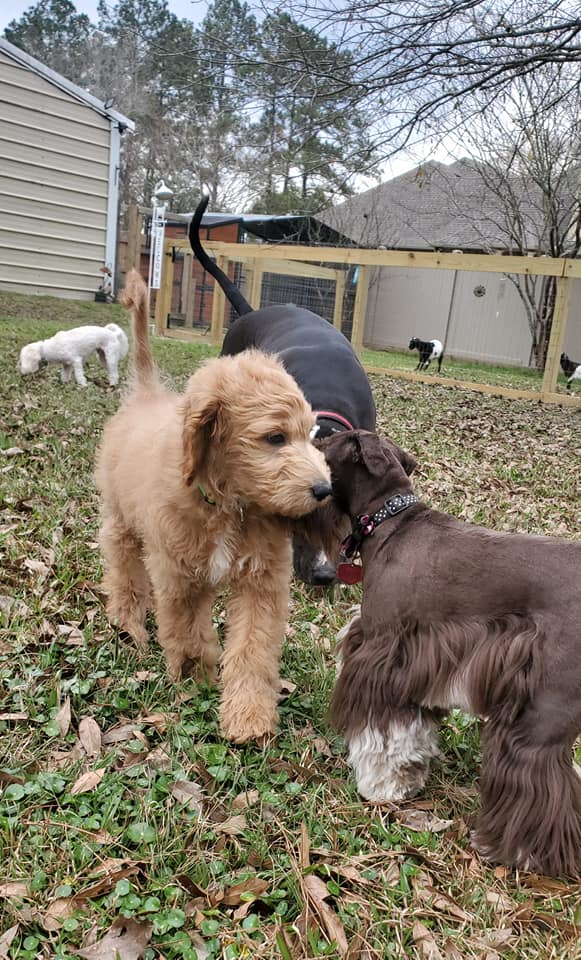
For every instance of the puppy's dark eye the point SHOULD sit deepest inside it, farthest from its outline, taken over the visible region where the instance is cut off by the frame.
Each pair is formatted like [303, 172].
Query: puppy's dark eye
[276, 439]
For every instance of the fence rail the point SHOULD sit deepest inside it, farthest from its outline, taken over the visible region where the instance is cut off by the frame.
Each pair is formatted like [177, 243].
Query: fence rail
[259, 259]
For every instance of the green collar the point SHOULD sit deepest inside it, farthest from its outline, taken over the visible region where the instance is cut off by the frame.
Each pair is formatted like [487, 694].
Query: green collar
[205, 496]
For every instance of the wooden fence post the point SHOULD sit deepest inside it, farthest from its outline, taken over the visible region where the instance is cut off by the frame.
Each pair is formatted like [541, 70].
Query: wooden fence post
[558, 326]
[360, 309]
[164, 294]
[256, 288]
[339, 296]
[134, 225]
[188, 289]
[218, 303]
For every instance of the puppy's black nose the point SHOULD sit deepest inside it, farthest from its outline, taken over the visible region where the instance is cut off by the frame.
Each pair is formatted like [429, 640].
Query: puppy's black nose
[323, 576]
[321, 490]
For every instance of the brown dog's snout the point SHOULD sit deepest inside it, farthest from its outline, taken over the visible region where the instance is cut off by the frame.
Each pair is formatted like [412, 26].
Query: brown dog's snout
[321, 491]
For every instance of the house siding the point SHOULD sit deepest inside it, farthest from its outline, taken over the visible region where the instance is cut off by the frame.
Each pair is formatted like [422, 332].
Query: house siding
[55, 185]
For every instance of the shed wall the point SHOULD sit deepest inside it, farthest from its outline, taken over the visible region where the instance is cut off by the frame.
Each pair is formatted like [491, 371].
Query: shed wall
[54, 187]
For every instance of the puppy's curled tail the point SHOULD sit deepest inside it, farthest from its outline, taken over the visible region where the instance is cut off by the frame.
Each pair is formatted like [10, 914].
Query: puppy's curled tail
[134, 298]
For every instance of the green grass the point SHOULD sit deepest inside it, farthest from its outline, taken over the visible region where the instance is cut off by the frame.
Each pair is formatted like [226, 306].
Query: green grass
[237, 871]
[519, 378]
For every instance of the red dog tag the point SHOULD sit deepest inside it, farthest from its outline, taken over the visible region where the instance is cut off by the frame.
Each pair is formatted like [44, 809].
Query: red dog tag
[350, 573]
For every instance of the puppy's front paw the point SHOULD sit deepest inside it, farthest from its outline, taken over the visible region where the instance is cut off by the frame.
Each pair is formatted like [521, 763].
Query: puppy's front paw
[247, 722]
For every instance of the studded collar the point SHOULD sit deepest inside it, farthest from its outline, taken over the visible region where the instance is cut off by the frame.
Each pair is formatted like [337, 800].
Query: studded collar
[365, 524]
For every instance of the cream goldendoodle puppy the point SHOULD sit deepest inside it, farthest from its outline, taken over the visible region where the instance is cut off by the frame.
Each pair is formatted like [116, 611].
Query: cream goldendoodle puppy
[70, 347]
[197, 491]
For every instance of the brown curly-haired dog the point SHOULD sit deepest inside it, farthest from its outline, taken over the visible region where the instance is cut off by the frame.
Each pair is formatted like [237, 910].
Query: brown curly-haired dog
[196, 493]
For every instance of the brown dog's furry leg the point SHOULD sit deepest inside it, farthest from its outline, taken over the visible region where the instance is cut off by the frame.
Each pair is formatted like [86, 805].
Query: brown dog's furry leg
[185, 629]
[531, 803]
[125, 580]
[257, 615]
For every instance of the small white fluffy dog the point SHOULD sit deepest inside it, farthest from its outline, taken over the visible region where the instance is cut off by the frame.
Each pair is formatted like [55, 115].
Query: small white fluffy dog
[71, 347]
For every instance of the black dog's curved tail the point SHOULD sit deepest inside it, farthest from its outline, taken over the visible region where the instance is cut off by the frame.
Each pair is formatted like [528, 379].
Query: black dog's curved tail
[231, 290]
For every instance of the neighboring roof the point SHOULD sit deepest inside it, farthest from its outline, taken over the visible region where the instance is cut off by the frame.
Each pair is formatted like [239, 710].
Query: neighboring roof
[71, 88]
[294, 228]
[286, 228]
[435, 206]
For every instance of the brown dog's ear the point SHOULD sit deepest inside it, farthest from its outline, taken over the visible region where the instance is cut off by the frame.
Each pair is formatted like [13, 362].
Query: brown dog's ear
[202, 416]
[371, 452]
[200, 427]
[377, 452]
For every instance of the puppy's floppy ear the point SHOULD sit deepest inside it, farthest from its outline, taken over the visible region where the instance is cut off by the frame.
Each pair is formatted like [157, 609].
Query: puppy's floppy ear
[202, 419]
[408, 462]
[371, 452]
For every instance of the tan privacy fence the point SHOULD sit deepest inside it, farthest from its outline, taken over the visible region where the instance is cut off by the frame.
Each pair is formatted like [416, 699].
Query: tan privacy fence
[347, 287]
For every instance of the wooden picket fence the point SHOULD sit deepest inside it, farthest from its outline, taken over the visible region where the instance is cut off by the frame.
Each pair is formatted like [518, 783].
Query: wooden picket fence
[259, 259]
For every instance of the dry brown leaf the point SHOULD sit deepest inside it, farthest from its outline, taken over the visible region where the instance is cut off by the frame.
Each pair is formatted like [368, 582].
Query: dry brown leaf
[59, 910]
[88, 781]
[6, 939]
[101, 836]
[233, 826]
[500, 901]
[63, 717]
[422, 821]
[159, 758]
[144, 675]
[189, 793]
[11, 605]
[199, 946]
[317, 893]
[37, 566]
[451, 951]
[441, 901]
[74, 636]
[108, 882]
[499, 938]
[120, 733]
[14, 890]
[245, 800]
[90, 736]
[232, 896]
[13, 716]
[125, 940]
[322, 746]
[425, 941]
[157, 720]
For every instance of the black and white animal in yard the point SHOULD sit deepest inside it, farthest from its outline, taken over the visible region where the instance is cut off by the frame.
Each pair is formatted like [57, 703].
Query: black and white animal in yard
[571, 369]
[324, 365]
[428, 350]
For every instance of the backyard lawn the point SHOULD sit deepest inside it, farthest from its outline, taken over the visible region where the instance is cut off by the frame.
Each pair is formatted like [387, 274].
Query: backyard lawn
[127, 824]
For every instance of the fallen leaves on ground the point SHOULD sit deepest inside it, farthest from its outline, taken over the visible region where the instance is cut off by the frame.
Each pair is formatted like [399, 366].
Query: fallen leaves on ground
[317, 894]
[14, 890]
[125, 940]
[6, 939]
[87, 782]
[90, 737]
[63, 717]
[188, 793]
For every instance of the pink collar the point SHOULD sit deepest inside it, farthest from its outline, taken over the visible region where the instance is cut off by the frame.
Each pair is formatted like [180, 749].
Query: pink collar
[328, 415]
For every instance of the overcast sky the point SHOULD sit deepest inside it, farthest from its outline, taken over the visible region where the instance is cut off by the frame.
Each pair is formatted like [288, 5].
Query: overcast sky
[13, 10]
[195, 10]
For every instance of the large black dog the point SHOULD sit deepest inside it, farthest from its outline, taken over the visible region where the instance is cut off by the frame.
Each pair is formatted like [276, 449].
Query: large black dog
[322, 362]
